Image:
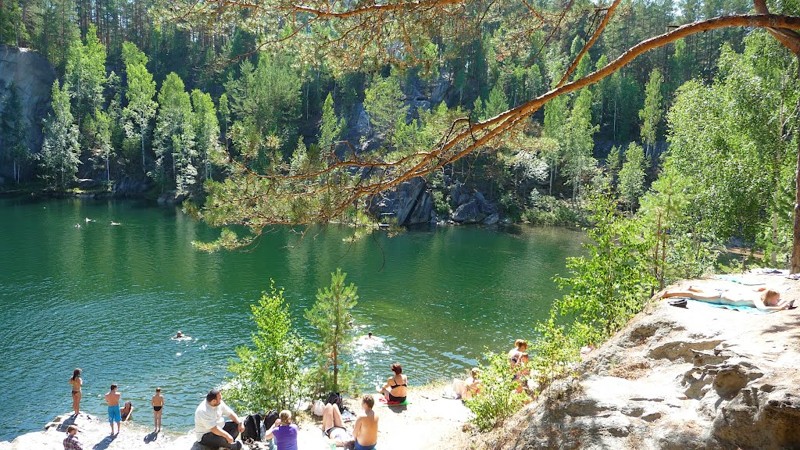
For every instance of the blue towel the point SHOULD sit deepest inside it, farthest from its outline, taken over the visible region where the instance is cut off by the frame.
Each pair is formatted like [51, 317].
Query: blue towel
[747, 309]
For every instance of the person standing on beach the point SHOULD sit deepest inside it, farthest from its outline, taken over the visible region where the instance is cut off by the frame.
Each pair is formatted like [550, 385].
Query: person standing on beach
[158, 403]
[366, 428]
[112, 400]
[76, 382]
[71, 442]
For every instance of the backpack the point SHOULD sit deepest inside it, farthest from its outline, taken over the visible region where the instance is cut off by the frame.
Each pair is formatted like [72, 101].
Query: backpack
[334, 398]
[252, 428]
[269, 419]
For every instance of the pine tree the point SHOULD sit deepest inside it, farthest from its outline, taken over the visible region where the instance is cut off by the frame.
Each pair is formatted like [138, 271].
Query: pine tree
[13, 133]
[330, 127]
[331, 317]
[652, 112]
[206, 130]
[60, 151]
[141, 89]
[631, 176]
[174, 138]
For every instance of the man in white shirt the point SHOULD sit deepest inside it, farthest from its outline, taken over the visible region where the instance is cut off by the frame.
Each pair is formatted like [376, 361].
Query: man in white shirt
[210, 426]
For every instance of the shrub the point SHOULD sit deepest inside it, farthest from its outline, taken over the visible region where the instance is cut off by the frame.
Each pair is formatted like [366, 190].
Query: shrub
[498, 397]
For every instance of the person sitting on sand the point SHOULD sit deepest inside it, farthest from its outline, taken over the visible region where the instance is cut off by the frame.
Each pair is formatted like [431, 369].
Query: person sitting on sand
[126, 411]
[472, 385]
[333, 426]
[71, 442]
[396, 387]
[365, 430]
[284, 432]
[760, 298]
[520, 346]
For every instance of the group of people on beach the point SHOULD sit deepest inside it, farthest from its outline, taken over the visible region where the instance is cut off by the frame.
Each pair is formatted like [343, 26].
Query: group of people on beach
[116, 413]
[211, 428]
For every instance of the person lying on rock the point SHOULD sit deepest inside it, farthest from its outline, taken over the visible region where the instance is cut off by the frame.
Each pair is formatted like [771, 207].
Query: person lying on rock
[760, 298]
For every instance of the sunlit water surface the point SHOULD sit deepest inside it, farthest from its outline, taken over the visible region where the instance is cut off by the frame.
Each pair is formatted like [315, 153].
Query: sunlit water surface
[103, 285]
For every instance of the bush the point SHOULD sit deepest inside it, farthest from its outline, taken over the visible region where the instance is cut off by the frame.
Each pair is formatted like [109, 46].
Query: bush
[269, 375]
[498, 397]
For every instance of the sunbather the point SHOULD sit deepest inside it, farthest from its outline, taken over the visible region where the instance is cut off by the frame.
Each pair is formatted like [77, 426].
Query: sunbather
[333, 426]
[761, 298]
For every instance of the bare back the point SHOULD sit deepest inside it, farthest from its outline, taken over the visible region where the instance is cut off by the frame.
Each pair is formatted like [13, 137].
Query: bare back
[112, 398]
[366, 429]
[157, 400]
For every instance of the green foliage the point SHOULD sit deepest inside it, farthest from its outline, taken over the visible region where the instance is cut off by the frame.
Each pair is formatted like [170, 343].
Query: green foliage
[60, 153]
[13, 132]
[86, 75]
[653, 110]
[578, 143]
[12, 30]
[206, 132]
[265, 105]
[268, 374]
[383, 101]
[174, 138]
[611, 283]
[330, 128]
[141, 107]
[631, 176]
[332, 319]
[498, 398]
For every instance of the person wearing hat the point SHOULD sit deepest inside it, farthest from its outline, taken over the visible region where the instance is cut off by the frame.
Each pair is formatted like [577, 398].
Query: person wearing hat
[71, 442]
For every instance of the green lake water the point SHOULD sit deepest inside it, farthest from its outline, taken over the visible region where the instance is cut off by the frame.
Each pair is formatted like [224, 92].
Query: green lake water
[77, 291]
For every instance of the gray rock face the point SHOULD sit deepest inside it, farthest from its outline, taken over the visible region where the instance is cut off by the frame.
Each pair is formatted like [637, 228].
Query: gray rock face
[32, 75]
[410, 204]
[675, 378]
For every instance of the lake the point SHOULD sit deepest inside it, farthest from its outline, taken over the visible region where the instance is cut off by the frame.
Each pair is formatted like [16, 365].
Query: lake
[79, 291]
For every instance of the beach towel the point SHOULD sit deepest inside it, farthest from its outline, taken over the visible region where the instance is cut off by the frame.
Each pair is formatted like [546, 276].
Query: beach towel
[384, 402]
[748, 309]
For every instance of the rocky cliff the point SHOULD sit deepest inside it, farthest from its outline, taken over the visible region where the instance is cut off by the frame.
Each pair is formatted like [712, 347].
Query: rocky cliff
[32, 75]
[699, 377]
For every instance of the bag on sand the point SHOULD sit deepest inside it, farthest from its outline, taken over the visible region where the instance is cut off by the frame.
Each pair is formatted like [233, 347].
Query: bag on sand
[318, 408]
[252, 428]
[334, 398]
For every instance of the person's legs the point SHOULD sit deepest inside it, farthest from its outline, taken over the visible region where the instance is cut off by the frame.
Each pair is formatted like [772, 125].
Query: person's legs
[232, 429]
[214, 441]
[334, 417]
[76, 402]
[327, 417]
[158, 420]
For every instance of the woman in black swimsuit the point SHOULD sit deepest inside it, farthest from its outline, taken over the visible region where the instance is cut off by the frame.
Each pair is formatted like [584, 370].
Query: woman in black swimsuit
[76, 382]
[396, 387]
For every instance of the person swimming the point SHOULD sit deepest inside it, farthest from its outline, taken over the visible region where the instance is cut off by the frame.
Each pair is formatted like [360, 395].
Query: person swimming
[179, 336]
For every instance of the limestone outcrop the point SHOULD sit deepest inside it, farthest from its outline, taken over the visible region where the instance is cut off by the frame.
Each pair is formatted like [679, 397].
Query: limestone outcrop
[700, 377]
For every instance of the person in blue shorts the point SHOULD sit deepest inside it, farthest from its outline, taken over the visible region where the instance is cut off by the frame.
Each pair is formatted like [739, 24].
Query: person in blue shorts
[112, 400]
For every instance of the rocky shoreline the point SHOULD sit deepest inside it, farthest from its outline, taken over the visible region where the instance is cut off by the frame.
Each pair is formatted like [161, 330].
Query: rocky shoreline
[430, 421]
[700, 377]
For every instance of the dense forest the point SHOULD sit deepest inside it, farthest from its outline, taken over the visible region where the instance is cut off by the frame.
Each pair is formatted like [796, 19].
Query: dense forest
[195, 105]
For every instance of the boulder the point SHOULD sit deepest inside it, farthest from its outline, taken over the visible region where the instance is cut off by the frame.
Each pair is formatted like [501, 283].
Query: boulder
[469, 212]
[410, 203]
[675, 378]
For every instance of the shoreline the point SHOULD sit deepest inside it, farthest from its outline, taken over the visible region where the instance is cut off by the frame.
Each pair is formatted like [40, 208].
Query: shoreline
[429, 421]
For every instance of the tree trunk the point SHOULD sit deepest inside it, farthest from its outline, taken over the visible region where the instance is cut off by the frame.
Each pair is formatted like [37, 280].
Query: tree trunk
[796, 231]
